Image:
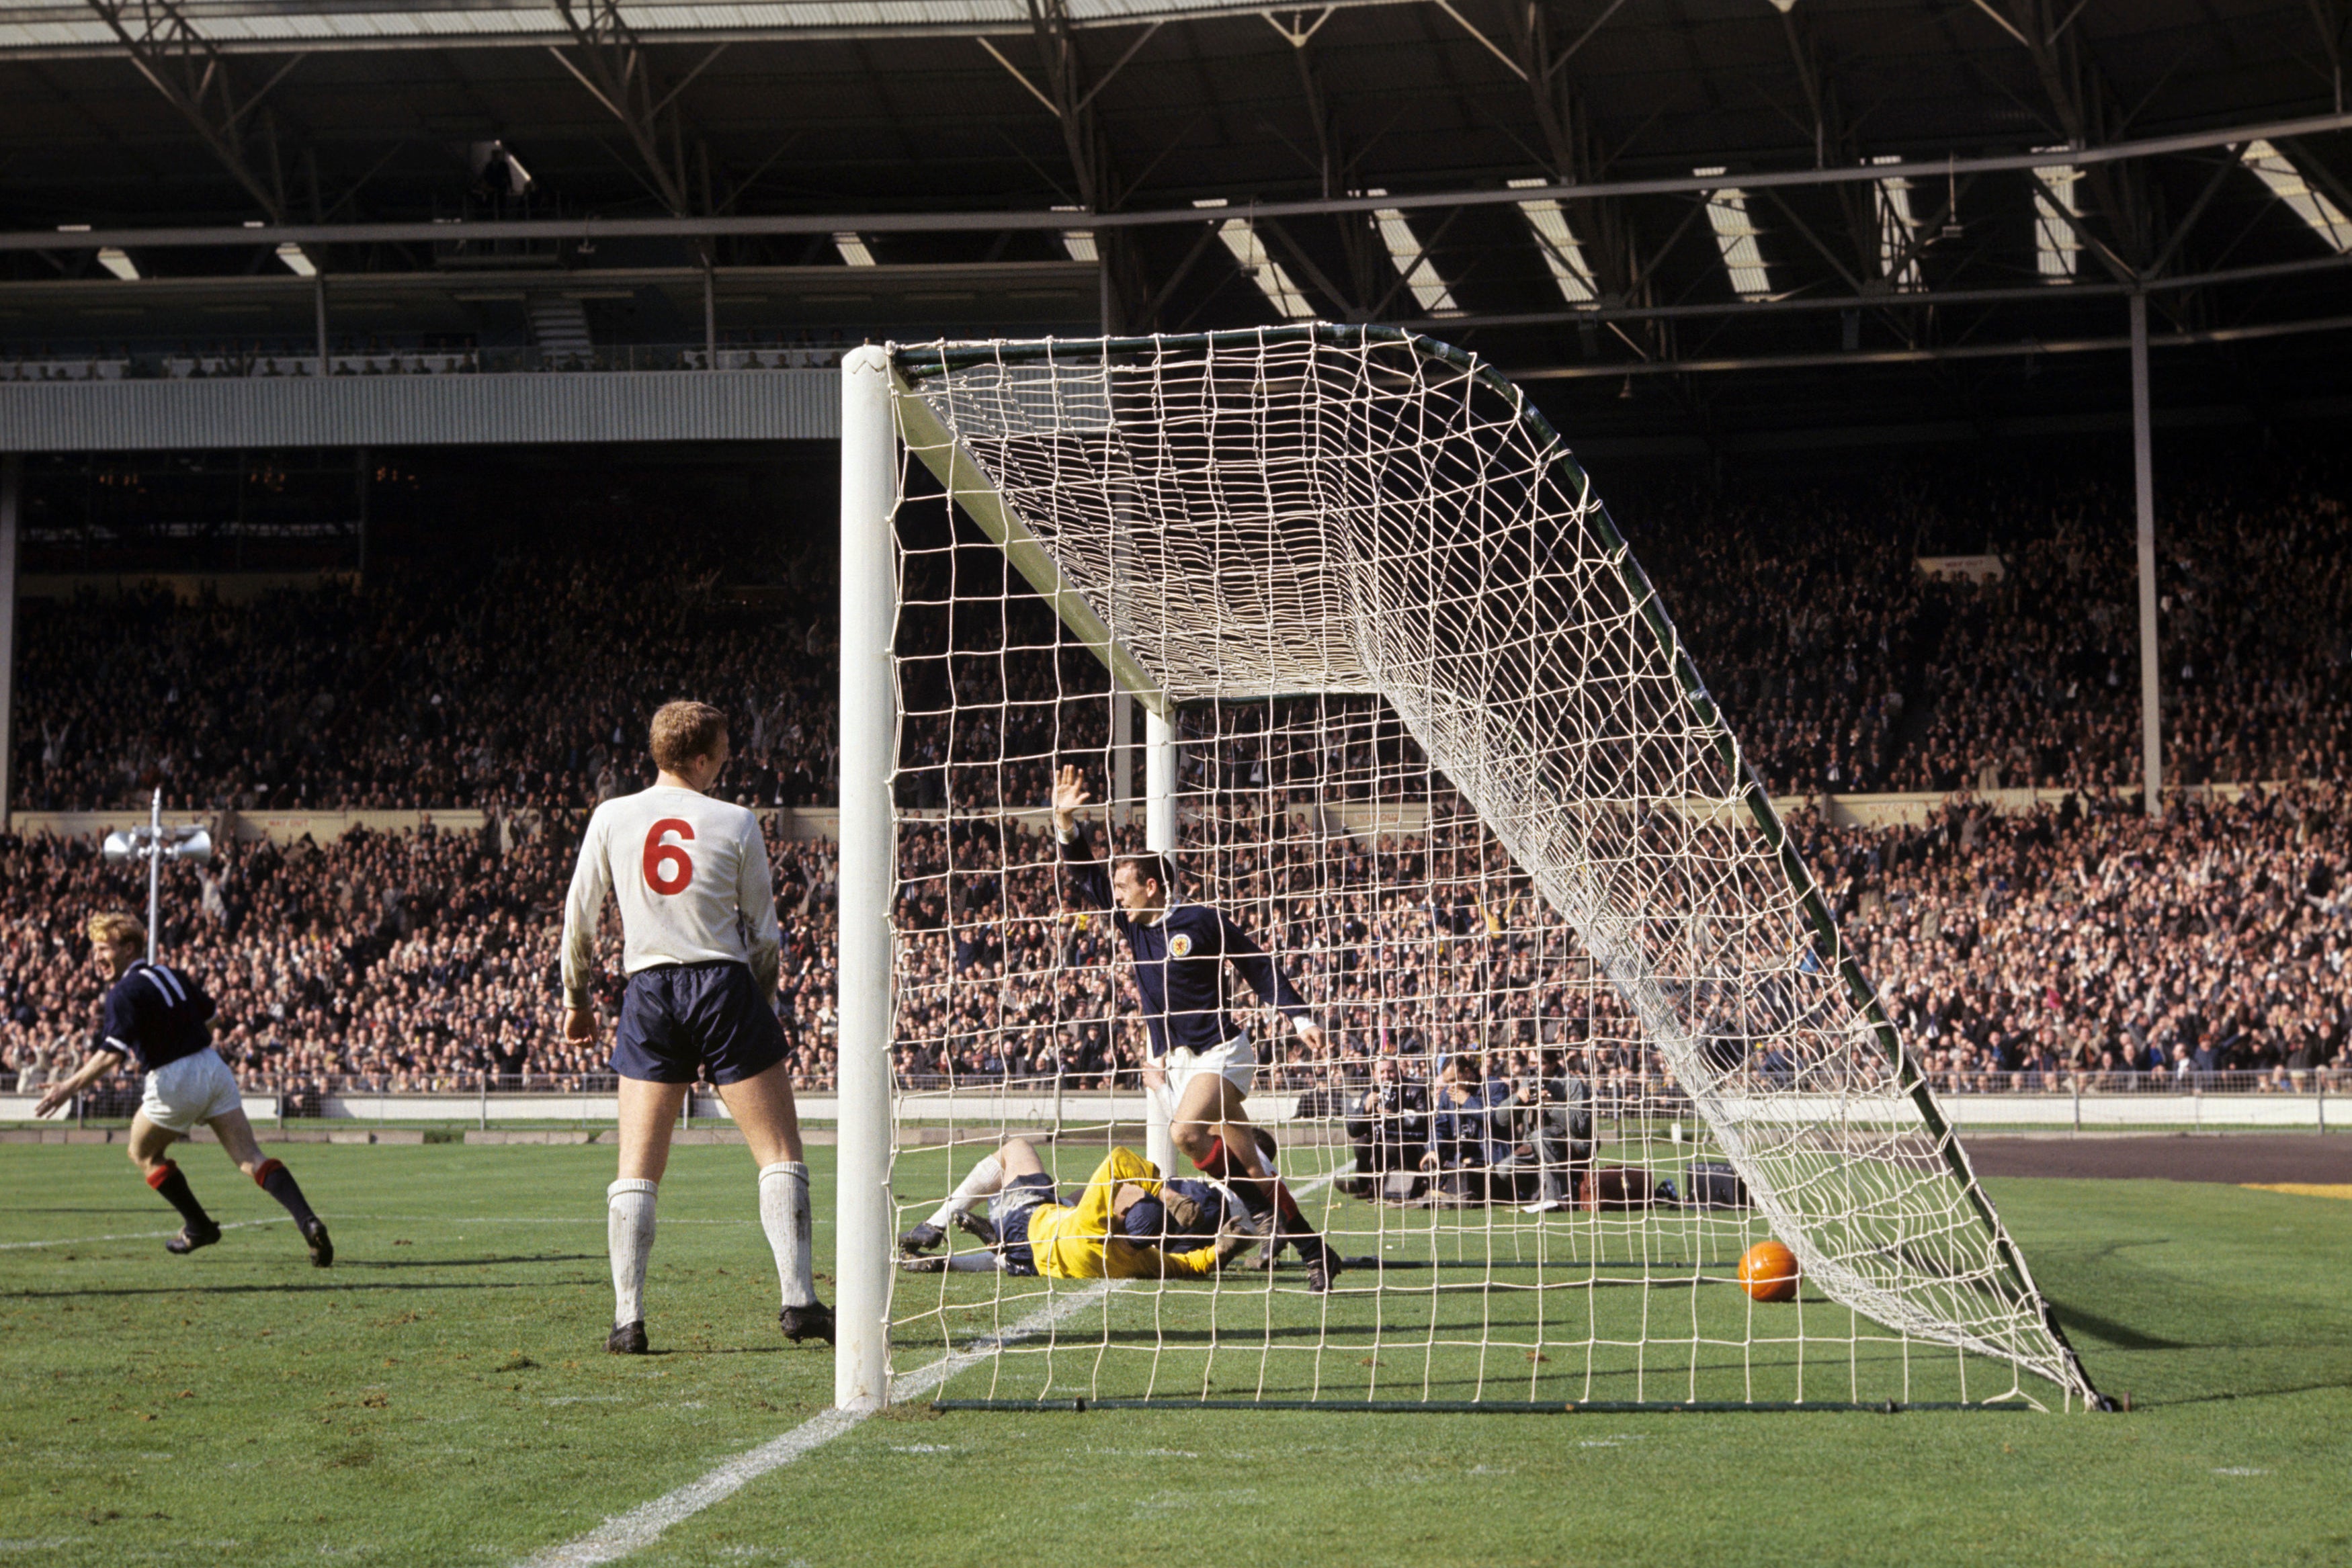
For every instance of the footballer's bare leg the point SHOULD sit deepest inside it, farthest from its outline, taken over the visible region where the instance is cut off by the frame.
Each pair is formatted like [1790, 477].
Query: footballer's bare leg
[763, 1108]
[647, 1113]
[148, 1144]
[244, 1150]
[766, 1114]
[1213, 1128]
[962, 1208]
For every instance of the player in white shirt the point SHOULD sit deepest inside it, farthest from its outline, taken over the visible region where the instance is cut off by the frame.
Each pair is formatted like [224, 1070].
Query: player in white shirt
[699, 945]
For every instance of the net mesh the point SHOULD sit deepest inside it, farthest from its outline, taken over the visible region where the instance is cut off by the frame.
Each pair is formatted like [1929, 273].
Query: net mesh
[1588, 1032]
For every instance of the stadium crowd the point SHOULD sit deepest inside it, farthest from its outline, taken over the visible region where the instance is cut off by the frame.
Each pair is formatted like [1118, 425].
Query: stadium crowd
[1843, 668]
[2074, 941]
[2016, 952]
[517, 686]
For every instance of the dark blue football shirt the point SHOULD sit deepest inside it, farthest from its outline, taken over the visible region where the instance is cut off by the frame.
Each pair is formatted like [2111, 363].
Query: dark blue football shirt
[156, 1015]
[1179, 961]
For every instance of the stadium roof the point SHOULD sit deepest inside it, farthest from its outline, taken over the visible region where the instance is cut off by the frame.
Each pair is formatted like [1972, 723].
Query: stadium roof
[1697, 216]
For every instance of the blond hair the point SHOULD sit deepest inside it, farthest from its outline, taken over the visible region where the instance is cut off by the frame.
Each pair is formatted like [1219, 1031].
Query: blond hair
[112, 929]
[683, 731]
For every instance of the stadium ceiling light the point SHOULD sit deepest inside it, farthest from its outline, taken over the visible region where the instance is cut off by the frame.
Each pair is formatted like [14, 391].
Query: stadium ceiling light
[1080, 243]
[1280, 289]
[1561, 252]
[2323, 216]
[297, 263]
[1898, 259]
[2057, 248]
[853, 249]
[119, 263]
[1735, 236]
[1411, 262]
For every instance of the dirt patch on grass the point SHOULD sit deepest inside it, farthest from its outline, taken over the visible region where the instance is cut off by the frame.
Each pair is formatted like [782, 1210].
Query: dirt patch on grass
[2228, 1157]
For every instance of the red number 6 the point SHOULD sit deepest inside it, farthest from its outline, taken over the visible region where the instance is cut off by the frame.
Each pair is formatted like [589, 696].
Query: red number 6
[659, 855]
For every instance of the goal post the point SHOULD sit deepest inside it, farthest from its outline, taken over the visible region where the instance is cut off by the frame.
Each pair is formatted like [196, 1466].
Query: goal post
[1371, 582]
[869, 737]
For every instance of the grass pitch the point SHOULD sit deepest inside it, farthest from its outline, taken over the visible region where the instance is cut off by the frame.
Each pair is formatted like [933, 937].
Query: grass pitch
[442, 1396]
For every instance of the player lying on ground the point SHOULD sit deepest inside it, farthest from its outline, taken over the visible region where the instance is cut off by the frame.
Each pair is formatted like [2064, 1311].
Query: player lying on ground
[161, 1016]
[700, 946]
[1202, 1058]
[1126, 1224]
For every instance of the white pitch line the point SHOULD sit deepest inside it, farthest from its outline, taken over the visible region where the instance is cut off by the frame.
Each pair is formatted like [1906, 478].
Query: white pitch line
[137, 1235]
[639, 1528]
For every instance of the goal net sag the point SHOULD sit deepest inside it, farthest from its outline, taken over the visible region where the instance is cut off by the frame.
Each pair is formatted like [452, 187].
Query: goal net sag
[1413, 716]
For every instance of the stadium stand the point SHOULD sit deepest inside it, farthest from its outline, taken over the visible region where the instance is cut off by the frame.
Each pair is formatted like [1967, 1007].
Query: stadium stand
[2021, 952]
[1842, 666]
[2076, 942]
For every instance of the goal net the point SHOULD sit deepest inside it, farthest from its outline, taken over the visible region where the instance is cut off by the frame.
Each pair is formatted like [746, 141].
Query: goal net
[1332, 615]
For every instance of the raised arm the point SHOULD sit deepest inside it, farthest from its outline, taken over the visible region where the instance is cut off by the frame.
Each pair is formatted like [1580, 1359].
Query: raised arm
[1089, 877]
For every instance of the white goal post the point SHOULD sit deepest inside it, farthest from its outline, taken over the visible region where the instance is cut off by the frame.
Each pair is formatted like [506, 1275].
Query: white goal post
[1357, 513]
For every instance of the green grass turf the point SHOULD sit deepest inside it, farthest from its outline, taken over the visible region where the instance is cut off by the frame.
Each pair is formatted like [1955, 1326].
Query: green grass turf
[441, 1397]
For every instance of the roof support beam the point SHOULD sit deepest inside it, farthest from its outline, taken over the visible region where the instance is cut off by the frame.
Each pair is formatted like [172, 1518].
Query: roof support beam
[1817, 303]
[1070, 93]
[618, 72]
[1934, 355]
[1335, 172]
[192, 77]
[2079, 96]
[1603, 227]
[969, 221]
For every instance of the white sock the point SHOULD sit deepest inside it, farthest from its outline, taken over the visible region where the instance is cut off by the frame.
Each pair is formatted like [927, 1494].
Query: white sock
[629, 1231]
[784, 1215]
[985, 1179]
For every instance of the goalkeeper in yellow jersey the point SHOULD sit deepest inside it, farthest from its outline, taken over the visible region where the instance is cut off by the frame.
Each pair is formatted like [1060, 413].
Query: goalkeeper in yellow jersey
[1127, 1224]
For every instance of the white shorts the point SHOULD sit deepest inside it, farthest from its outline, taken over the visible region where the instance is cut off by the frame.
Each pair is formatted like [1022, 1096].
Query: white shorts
[1235, 1062]
[196, 1088]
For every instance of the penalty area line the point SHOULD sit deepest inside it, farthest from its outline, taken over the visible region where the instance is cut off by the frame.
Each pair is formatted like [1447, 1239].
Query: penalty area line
[624, 1533]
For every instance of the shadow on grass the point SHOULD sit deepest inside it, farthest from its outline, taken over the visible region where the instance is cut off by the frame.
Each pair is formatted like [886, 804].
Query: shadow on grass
[2120, 1336]
[2142, 1402]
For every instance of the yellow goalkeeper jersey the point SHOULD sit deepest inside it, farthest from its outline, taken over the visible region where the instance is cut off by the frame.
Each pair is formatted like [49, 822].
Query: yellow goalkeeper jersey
[1076, 1243]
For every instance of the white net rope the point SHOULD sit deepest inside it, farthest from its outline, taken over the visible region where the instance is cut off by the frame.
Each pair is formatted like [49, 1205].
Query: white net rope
[1444, 758]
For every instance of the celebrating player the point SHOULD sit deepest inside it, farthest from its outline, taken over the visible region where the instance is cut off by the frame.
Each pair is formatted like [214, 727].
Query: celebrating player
[1201, 1058]
[700, 944]
[162, 1018]
[1127, 1224]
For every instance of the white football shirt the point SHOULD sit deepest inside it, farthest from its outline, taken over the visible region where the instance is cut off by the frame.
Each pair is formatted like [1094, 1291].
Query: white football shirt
[691, 875]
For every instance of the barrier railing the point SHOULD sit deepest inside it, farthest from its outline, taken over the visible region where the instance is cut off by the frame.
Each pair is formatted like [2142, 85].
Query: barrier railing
[2281, 1098]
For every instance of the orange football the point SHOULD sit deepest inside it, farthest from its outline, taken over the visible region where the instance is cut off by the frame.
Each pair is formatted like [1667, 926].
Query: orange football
[1767, 1271]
